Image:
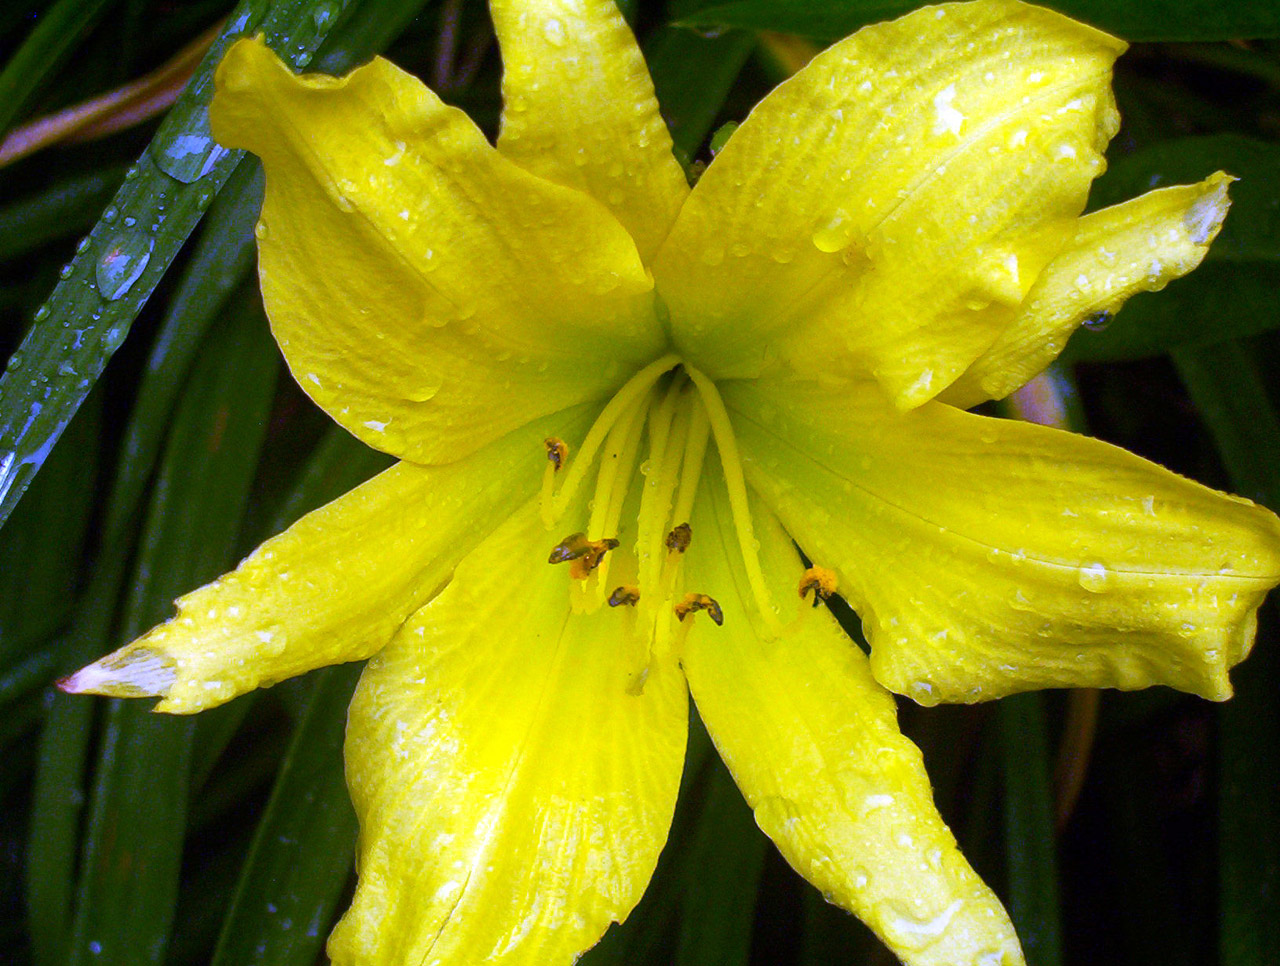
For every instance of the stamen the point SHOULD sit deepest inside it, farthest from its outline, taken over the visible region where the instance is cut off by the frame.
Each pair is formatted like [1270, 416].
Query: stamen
[667, 434]
[730, 460]
[626, 594]
[581, 568]
[695, 453]
[581, 554]
[635, 387]
[820, 581]
[613, 483]
[679, 538]
[696, 602]
[557, 454]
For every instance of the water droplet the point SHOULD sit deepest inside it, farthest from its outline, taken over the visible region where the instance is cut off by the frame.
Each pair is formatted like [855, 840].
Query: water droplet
[189, 156]
[302, 58]
[915, 933]
[112, 338]
[260, 230]
[42, 313]
[323, 14]
[553, 30]
[124, 259]
[110, 214]
[834, 235]
[1097, 321]
[15, 362]
[82, 244]
[1093, 577]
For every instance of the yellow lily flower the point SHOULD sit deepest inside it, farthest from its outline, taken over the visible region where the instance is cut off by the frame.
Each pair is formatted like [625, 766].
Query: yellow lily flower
[620, 406]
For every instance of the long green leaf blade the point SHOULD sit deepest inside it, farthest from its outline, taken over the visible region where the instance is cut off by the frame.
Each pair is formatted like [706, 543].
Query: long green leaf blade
[120, 262]
[43, 52]
[1227, 387]
[1030, 854]
[302, 852]
[137, 820]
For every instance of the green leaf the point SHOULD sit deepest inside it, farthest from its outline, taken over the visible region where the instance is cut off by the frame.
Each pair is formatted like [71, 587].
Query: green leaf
[302, 852]
[1028, 825]
[42, 548]
[128, 881]
[692, 76]
[1232, 293]
[44, 51]
[70, 206]
[725, 858]
[1229, 392]
[120, 262]
[221, 261]
[59, 787]
[1135, 20]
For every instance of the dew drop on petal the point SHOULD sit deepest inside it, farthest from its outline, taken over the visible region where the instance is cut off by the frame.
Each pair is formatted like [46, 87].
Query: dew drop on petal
[1094, 577]
[554, 32]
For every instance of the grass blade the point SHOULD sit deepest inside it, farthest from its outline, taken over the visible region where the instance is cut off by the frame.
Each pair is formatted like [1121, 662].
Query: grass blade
[1030, 855]
[1228, 390]
[120, 262]
[45, 50]
[302, 852]
[128, 883]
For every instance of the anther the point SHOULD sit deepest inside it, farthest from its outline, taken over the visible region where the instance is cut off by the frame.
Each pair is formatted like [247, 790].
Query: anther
[625, 594]
[557, 452]
[583, 555]
[818, 580]
[697, 602]
[570, 548]
[678, 539]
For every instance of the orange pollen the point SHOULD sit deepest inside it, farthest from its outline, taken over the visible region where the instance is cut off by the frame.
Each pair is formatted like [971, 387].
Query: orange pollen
[819, 580]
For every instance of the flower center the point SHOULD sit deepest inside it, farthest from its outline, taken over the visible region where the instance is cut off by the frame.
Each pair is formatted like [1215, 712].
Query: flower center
[675, 411]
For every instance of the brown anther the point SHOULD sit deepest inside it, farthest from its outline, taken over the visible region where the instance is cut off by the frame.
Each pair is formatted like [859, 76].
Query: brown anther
[819, 580]
[624, 595]
[582, 554]
[697, 602]
[557, 451]
[678, 539]
[581, 568]
[570, 548]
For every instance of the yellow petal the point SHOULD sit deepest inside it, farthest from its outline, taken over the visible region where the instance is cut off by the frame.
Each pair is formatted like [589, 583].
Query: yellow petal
[333, 587]
[513, 796]
[580, 110]
[812, 741]
[990, 556]
[427, 292]
[887, 208]
[1138, 246]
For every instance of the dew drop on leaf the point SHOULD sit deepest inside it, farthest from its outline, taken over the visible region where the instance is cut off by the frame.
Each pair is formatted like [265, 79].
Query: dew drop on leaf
[124, 259]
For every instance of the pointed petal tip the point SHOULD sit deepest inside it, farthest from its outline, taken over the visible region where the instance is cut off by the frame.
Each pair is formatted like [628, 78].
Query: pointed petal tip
[140, 673]
[1205, 216]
